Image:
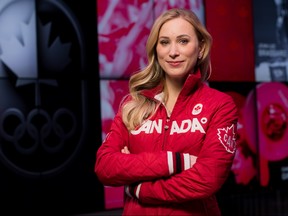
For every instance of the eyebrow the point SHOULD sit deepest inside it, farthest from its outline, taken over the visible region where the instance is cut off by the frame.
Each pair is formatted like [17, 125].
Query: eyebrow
[180, 36]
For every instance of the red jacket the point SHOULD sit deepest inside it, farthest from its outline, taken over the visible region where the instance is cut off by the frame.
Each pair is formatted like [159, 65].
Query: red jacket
[158, 171]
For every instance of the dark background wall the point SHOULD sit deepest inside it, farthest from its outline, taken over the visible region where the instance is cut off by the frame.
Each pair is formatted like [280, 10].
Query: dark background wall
[50, 110]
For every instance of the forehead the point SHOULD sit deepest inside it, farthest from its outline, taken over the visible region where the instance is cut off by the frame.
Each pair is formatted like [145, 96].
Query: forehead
[177, 26]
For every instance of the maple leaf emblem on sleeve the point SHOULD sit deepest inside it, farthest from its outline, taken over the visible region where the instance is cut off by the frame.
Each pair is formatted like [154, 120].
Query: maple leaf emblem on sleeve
[227, 137]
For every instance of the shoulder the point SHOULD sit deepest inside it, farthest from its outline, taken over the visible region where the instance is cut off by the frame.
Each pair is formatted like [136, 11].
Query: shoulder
[125, 99]
[218, 102]
[216, 95]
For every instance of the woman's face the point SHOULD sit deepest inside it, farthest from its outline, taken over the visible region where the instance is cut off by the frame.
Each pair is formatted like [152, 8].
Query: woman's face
[177, 48]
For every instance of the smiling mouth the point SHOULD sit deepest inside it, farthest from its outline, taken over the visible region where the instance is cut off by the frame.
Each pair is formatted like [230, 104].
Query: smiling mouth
[174, 63]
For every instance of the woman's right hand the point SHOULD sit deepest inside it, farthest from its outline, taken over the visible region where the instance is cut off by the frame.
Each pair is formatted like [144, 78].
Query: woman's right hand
[125, 150]
[192, 160]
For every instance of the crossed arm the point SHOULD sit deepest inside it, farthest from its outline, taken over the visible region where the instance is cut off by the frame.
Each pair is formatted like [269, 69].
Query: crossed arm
[193, 158]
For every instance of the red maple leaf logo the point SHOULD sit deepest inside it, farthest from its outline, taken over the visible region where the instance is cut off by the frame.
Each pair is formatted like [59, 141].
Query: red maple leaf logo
[227, 137]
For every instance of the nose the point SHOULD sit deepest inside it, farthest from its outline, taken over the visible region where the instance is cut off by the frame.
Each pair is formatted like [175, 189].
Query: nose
[173, 52]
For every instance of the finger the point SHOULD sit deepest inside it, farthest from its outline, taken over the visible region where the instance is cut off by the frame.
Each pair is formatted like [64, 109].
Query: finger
[193, 160]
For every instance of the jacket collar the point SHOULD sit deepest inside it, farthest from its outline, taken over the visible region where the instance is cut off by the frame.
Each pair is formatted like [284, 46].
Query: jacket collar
[192, 82]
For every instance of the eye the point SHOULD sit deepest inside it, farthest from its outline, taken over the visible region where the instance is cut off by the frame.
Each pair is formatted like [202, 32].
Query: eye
[183, 41]
[163, 42]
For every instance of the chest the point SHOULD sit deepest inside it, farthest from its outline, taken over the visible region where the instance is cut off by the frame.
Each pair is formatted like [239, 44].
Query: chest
[183, 131]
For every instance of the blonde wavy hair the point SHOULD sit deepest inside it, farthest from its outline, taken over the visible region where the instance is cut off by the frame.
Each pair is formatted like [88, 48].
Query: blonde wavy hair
[140, 108]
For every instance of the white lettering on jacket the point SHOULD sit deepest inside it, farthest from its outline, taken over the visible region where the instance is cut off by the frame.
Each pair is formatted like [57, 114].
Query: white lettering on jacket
[155, 126]
[187, 125]
[149, 127]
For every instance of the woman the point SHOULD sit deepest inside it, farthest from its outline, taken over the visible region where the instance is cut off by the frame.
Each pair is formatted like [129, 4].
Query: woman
[172, 142]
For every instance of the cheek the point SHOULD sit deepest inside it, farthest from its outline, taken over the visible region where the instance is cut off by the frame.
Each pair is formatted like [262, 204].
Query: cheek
[192, 60]
[160, 53]
[160, 56]
[193, 55]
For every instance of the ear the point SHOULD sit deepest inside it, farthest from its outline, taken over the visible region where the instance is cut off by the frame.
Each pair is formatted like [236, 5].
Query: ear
[201, 49]
[200, 54]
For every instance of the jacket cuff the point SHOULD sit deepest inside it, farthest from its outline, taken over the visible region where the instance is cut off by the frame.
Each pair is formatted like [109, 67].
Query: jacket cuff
[133, 191]
[177, 162]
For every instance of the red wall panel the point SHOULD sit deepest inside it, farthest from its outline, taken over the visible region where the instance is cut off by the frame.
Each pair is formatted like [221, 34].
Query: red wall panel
[231, 26]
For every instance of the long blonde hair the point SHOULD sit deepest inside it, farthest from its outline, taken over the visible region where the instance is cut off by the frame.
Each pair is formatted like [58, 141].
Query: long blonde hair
[139, 108]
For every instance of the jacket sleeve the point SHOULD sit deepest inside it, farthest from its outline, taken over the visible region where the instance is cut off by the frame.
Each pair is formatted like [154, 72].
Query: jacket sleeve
[114, 168]
[207, 175]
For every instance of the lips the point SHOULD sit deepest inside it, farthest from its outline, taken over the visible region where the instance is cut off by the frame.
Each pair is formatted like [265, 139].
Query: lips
[174, 63]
